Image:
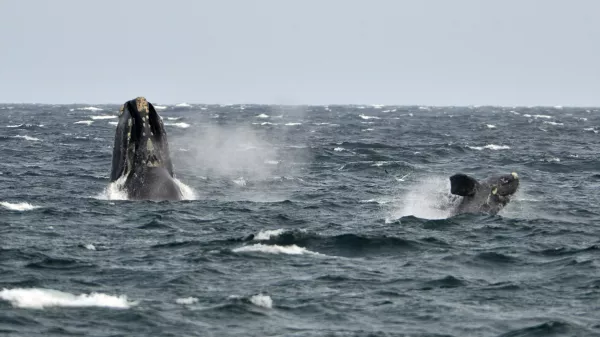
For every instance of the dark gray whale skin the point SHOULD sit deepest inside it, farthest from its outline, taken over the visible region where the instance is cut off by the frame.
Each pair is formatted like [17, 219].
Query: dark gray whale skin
[488, 196]
[141, 154]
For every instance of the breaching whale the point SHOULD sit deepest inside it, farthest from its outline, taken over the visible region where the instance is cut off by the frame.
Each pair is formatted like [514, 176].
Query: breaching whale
[488, 196]
[141, 153]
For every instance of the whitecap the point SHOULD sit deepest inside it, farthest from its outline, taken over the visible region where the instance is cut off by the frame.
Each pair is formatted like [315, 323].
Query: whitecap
[272, 162]
[274, 249]
[554, 123]
[113, 123]
[14, 126]
[90, 108]
[89, 246]
[160, 107]
[173, 118]
[491, 126]
[264, 301]
[377, 106]
[367, 117]
[367, 129]
[293, 124]
[183, 105]
[490, 147]
[22, 206]
[268, 234]
[26, 137]
[38, 298]
[339, 149]
[268, 123]
[263, 116]
[583, 119]
[84, 122]
[179, 125]
[542, 116]
[187, 300]
[591, 129]
[104, 117]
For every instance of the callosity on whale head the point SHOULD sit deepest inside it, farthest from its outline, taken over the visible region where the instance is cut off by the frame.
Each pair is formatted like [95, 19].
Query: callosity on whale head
[488, 196]
[141, 153]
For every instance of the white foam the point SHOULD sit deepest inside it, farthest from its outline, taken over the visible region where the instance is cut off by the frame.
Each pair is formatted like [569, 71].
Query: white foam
[264, 301]
[90, 246]
[183, 105]
[187, 300]
[263, 116]
[369, 129]
[272, 162]
[491, 126]
[22, 206]
[274, 249]
[542, 116]
[84, 122]
[377, 106]
[103, 117]
[115, 190]
[367, 117]
[293, 124]
[268, 234]
[583, 119]
[187, 192]
[268, 123]
[173, 118]
[590, 129]
[179, 125]
[490, 147]
[26, 137]
[38, 298]
[90, 108]
[554, 123]
[160, 107]
[339, 149]
[113, 123]
[14, 126]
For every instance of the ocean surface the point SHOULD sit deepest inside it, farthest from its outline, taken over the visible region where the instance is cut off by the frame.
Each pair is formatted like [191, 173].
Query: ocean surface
[302, 221]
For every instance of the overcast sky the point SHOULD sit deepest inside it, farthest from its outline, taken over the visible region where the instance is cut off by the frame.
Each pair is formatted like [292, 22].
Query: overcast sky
[459, 52]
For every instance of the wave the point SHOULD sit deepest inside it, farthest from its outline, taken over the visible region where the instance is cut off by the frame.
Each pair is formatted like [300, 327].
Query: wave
[263, 116]
[183, 105]
[274, 249]
[293, 124]
[23, 206]
[116, 190]
[84, 122]
[27, 138]
[39, 298]
[554, 123]
[179, 125]
[264, 301]
[103, 117]
[160, 107]
[187, 300]
[489, 147]
[173, 118]
[90, 108]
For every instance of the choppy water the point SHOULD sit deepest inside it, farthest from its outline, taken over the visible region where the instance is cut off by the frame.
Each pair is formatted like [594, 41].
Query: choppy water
[302, 221]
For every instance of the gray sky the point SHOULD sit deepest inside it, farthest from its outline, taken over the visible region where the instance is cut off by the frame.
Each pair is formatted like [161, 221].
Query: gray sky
[460, 52]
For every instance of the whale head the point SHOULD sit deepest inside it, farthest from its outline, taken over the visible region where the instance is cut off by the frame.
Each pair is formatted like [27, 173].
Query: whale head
[488, 196]
[140, 140]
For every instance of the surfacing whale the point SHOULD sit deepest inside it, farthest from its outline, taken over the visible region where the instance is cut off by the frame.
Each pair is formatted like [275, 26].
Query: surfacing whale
[141, 154]
[488, 196]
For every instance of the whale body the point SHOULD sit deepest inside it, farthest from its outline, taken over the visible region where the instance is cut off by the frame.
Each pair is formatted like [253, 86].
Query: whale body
[141, 154]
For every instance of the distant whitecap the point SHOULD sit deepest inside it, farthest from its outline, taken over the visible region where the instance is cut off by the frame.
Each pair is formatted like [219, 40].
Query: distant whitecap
[27, 138]
[490, 147]
[22, 206]
[104, 117]
[179, 125]
[39, 298]
[84, 122]
[90, 108]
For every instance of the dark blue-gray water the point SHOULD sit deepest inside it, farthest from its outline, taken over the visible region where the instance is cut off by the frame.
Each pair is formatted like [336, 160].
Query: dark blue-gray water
[302, 221]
